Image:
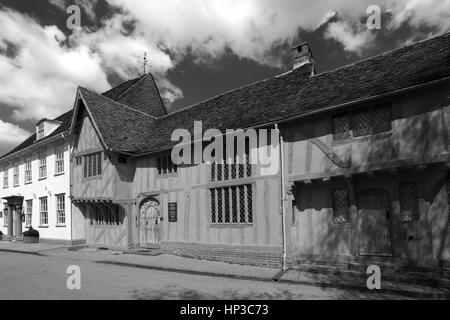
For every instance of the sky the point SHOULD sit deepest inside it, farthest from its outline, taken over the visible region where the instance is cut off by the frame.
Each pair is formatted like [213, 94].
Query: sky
[196, 49]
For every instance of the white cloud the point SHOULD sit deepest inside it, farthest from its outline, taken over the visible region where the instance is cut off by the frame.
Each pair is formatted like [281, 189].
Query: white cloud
[354, 38]
[40, 79]
[10, 136]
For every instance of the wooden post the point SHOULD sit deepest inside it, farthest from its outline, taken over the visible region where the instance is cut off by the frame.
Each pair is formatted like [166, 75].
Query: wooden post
[353, 216]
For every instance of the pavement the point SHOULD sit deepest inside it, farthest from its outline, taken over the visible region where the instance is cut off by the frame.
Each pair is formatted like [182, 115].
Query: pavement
[417, 286]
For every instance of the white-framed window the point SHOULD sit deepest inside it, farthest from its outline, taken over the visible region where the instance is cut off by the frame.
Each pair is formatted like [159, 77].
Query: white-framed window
[41, 131]
[232, 205]
[59, 165]
[29, 213]
[43, 206]
[61, 209]
[16, 175]
[5, 178]
[42, 166]
[28, 171]
[92, 165]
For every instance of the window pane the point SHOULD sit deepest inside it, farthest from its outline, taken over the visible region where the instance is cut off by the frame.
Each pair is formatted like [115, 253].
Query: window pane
[341, 205]
[361, 123]
[99, 164]
[408, 202]
[382, 121]
[341, 128]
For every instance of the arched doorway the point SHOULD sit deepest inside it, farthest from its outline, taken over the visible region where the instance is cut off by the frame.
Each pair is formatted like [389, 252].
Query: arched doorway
[374, 216]
[149, 223]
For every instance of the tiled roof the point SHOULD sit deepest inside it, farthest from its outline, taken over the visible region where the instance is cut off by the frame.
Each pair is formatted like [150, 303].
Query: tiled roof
[66, 120]
[127, 124]
[295, 93]
[144, 95]
[117, 91]
[119, 125]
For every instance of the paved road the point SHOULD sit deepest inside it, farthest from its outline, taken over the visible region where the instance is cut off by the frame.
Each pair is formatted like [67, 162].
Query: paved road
[35, 277]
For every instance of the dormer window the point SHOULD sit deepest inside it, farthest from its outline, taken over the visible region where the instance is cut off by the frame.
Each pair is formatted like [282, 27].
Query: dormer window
[40, 130]
[45, 127]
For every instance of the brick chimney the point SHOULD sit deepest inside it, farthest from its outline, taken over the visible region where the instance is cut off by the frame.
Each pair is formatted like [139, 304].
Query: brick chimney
[302, 55]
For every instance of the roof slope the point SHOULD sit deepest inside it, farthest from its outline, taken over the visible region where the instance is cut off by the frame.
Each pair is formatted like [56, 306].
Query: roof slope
[117, 91]
[119, 125]
[141, 94]
[295, 93]
[66, 120]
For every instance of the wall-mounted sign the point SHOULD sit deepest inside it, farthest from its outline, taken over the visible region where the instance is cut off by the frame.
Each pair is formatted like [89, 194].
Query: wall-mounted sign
[172, 212]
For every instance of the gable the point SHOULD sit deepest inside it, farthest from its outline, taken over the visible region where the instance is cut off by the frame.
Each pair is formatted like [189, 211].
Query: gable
[87, 137]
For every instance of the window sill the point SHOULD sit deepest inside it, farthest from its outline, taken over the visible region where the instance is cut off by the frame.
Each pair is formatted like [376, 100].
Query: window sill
[168, 175]
[29, 182]
[61, 226]
[376, 136]
[59, 174]
[43, 227]
[40, 179]
[230, 225]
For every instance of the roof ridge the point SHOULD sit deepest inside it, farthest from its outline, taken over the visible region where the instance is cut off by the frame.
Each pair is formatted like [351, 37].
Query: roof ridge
[226, 92]
[121, 104]
[446, 34]
[134, 84]
[159, 95]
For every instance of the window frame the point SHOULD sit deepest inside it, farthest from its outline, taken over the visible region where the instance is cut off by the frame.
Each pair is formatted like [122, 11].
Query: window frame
[93, 161]
[165, 166]
[41, 130]
[59, 161]
[29, 213]
[28, 171]
[339, 218]
[415, 214]
[42, 161]
[43, 222]
[349, 134]
[60, 210]
[6, 178]
[16, 175]
[233, 214]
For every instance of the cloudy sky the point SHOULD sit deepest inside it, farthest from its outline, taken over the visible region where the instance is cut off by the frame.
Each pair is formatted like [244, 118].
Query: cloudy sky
[197, 48]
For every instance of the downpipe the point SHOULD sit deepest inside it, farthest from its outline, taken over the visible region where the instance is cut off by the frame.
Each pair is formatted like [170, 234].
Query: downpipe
[283, 198]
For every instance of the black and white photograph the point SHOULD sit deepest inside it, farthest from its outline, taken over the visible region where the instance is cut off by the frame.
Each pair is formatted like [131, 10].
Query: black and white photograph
[224, 155]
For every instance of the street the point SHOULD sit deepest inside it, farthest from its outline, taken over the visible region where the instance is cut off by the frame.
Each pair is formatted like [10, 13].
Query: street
[32, 277]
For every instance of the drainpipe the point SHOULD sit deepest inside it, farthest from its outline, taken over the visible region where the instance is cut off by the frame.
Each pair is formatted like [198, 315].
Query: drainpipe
[283, 197]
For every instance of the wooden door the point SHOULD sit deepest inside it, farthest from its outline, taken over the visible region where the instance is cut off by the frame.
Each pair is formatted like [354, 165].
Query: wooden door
[150, 224]
[374, 214]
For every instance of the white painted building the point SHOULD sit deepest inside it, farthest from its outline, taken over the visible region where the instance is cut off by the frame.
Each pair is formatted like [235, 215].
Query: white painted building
[35, 183]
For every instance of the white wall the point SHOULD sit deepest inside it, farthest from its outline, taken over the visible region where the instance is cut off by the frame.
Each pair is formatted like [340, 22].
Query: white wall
[49, 187]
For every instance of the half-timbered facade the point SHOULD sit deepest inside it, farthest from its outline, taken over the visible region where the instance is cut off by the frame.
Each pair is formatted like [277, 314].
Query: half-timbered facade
[364, 160]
